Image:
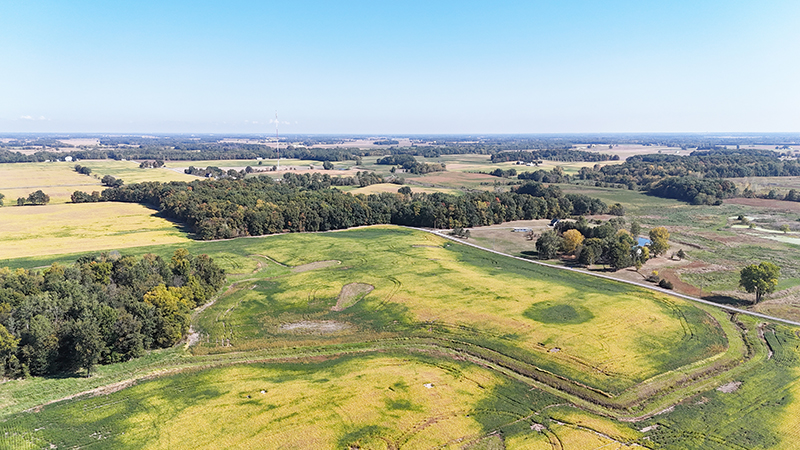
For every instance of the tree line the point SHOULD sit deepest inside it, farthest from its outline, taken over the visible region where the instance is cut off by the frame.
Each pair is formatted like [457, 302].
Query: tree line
[227, 208]
[697, 178]
[560, 154]
[101, 309]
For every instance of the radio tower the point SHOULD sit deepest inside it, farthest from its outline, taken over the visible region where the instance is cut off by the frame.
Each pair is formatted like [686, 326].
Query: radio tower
[277, 149]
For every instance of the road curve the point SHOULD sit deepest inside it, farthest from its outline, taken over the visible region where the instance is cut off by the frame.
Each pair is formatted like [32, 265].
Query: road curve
[646, 286]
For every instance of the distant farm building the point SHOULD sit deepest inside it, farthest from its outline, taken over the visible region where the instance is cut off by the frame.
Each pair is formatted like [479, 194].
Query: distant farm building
[521, 230]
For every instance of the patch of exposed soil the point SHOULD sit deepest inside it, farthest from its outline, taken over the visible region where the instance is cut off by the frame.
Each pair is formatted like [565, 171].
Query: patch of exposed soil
[729, 387]
[315, 327]
[351, 294]
[764, 203]
[315, 265]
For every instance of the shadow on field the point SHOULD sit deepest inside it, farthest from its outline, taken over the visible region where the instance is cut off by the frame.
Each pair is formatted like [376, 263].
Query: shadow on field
[727, 300]
[182, 227]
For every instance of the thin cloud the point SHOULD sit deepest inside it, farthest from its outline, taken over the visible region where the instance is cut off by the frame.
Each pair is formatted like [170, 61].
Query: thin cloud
[32, 118]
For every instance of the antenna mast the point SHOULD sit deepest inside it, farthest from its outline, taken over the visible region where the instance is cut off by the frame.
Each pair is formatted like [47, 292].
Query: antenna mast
[277, 149]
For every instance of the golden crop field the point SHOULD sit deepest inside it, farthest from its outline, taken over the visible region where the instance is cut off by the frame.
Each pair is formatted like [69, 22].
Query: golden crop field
[69, 228]
[57, 179]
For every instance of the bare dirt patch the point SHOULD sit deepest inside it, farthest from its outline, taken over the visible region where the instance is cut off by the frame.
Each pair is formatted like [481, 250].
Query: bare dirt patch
[315, 327]
[729, 387]
[315, 265]
[351, 294]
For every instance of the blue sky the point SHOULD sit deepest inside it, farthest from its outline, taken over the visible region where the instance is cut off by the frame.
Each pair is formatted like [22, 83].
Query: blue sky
[400, 67]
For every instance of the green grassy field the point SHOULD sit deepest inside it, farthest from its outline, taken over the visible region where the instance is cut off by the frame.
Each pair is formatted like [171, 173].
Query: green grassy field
[424, 286]
[454, 348]
[369, 402]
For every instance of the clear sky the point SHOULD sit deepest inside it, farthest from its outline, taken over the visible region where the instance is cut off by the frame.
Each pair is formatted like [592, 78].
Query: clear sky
[375, 67]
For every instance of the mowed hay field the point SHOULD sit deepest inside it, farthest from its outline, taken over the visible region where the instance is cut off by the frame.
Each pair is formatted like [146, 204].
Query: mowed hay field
[369, 402]
[604, 334]
[56, 179]
[69, 228]
[129, 171]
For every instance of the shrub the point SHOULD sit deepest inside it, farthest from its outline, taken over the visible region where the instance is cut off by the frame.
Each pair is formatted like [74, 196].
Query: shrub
[666, 284]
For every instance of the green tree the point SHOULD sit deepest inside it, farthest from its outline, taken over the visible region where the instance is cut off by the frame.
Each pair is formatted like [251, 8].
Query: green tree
[785, 228]
[173, 310]
[1, 199]
[548, 244]
[38, 198]
[659, 237]
[616, 210]
[88, 342]
[590, 251]
[327, 165]
[759, 278]
[620, 252]
[21, 201]
[636, 229]
[8, 345]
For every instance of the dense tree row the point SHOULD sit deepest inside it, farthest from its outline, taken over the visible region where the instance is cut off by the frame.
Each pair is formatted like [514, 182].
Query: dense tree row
[321, 181]
[556, 175]
[697, 191]
[83, 170]
[504, 173]
[564, 154]
[102, 309]
[254, 206]
[410, 164]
